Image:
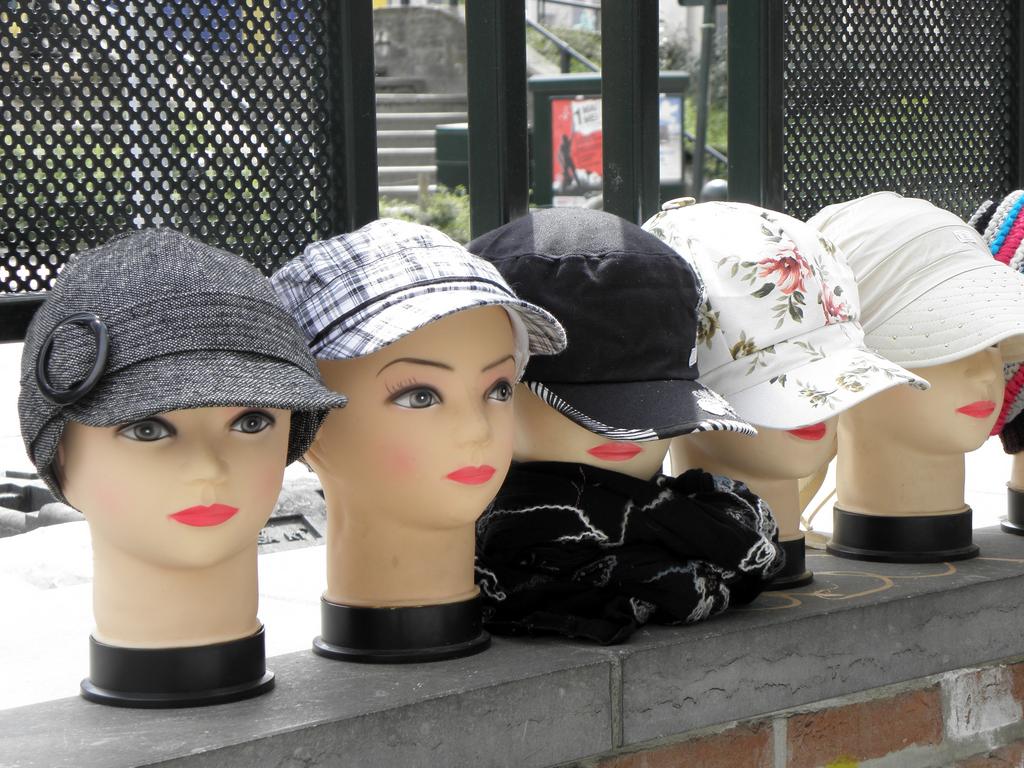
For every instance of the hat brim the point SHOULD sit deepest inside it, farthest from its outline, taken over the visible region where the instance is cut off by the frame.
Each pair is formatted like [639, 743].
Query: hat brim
[400, 318]
[962, 315]
[818, 390]
[209, 379]
[642, 410]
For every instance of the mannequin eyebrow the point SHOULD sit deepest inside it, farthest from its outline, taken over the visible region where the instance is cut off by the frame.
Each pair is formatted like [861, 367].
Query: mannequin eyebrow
[416, 361]
[437, 364]
[496, 363]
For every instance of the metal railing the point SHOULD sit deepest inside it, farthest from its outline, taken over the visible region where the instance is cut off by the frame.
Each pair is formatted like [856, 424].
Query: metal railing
[566, 53]
[716, 163]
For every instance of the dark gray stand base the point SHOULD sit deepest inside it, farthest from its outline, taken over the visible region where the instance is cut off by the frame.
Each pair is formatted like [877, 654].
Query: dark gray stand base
[924, 539]
[794, 573]
[1014, 522]
[158, 678]
[401, 635]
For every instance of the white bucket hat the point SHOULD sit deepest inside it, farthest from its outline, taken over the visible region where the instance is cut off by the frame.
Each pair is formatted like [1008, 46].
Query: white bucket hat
[931, 292]
[778, 333]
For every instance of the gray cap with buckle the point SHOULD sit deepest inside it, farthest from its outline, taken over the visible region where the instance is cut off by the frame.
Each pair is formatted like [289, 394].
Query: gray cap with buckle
[155, 321]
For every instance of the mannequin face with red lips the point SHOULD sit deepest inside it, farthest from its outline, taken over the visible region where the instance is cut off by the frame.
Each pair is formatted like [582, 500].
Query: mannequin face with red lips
[954, 416]
[771, 454]
[426, 437]
[544, 434]
[182, 489]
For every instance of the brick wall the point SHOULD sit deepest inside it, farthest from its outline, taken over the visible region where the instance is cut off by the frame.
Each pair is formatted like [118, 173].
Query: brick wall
[969, 718]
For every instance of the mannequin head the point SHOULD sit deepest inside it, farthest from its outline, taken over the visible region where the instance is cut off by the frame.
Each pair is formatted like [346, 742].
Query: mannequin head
[544, 434]
[770, 463]
[902, 453]
[183, 489]
[771, 454]
[428, 341]
[954, 417]
[163, 391]
[427, 437]
[154, 322]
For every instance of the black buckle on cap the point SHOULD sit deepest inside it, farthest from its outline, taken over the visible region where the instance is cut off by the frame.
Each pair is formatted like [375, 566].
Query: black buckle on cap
[81, 389]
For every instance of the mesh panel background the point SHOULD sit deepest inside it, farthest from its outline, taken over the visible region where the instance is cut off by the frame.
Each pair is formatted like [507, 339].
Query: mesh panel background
[915, 96]
[211, 117]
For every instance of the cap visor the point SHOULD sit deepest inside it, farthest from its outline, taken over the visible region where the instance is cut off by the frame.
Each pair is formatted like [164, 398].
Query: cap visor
[643, 410]
[815, 391]
[958, 317]
[202, 380]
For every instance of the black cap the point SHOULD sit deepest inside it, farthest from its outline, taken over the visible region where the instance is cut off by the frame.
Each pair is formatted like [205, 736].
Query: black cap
[628, 303]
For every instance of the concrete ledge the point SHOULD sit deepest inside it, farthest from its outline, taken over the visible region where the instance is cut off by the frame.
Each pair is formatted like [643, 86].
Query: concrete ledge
[859, 626]
[545, 702]
[513, 701]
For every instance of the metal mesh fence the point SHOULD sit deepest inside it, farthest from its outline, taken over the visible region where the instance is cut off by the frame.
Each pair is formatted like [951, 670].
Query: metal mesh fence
[916, 96]
[211, 116]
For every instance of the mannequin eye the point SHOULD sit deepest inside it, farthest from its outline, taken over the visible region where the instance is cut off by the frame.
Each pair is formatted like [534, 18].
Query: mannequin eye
[501, 391]
[252, 422]
[147, 430]
[418, 397]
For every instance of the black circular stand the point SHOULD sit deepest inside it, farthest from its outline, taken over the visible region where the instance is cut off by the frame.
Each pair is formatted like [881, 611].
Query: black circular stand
[191, 676]
[794, 573]
[1014, 522]
[917, 539]
[401, 635]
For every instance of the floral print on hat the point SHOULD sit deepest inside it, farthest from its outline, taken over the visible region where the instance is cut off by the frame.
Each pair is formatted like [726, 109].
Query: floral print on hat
[778, 334]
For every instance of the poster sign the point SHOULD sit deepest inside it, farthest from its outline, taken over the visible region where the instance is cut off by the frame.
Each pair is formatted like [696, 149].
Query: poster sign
[670, 138]
[576, 156]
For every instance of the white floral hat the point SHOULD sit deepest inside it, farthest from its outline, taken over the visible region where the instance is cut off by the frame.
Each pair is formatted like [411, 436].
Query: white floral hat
[778, 334]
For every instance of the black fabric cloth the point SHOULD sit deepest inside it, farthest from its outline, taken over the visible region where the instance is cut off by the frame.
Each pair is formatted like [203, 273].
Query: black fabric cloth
[584, 552]
[1012, 435]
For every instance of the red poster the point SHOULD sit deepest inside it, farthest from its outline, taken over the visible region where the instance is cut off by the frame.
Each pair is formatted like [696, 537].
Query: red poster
[576, 160]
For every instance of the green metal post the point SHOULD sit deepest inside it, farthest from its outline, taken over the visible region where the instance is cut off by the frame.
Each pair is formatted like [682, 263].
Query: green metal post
[707, 52]
[755, 102]
[1019, 36]
[496, 92]
[353, 113]
[630, 107]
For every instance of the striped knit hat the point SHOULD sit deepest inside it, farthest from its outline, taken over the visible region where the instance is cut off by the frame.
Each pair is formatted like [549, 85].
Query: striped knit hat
[1001, 224]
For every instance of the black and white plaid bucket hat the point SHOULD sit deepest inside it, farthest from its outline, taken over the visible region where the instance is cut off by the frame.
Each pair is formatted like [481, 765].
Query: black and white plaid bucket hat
[154, 321]
[356, 293]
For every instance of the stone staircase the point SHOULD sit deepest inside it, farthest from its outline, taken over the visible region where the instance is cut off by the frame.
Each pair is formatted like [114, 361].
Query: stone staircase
[405, 139]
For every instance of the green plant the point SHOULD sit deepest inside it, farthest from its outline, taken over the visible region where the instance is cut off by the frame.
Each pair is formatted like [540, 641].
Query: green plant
[445, 209]
[675, 52]
[587, 43]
